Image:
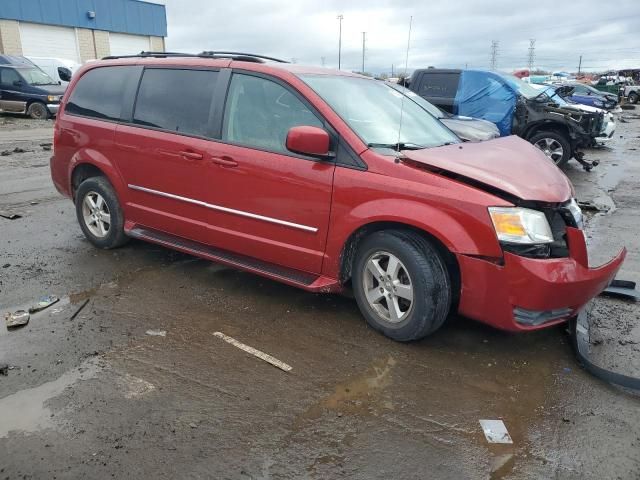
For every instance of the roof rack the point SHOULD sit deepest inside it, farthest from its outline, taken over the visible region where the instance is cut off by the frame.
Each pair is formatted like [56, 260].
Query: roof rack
[245, 57]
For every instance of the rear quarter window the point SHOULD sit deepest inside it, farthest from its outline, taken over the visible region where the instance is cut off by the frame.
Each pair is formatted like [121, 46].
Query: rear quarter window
[99, 93]
[442, 85]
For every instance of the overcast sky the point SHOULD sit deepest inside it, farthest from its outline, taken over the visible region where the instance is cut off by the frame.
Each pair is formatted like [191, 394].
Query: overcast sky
[451, 33]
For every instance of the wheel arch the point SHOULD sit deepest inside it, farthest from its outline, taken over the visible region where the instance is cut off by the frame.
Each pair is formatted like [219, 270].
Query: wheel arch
[90, 163]
[350, 249]
[547, 126]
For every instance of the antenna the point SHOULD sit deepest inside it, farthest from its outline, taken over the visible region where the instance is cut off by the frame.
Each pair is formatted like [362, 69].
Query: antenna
[406, 67]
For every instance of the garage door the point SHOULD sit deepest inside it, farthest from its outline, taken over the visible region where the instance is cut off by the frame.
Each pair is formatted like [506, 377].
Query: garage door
[123, 44]
[49, 41]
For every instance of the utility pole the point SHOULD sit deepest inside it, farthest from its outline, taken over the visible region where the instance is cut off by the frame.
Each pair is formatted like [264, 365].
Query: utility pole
[494, 54]
[532, 53]
[580, 64]
[323, 60]
[364, 35]
[340, 17]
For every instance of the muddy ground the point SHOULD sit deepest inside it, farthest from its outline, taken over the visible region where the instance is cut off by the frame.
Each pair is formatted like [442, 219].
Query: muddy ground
[98, 397]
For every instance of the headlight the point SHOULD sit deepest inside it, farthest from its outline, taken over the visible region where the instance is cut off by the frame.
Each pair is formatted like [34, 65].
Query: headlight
[520, 225]
[54, 98]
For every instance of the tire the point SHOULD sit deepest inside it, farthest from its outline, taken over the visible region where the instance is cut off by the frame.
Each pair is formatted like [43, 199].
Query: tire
[421, 267]
[633, 97]
[549, 143]
[38, 111]
[92, 213]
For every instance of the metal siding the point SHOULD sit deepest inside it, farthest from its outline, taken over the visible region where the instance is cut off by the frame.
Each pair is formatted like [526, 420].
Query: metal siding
[125, 16]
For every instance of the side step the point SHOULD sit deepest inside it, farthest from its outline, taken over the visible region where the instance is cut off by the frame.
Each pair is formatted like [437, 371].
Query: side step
[290, 276]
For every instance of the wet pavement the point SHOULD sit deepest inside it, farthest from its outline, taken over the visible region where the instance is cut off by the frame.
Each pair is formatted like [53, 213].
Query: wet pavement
[97, 397]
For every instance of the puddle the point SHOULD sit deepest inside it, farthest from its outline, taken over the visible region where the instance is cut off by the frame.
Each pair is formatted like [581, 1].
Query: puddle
[25, 410]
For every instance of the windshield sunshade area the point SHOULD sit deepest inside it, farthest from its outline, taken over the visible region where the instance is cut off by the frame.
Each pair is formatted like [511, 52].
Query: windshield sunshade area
[35, 76]
[373, 109]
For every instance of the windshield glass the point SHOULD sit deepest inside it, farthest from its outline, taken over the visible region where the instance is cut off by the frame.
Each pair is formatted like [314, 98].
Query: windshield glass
[429, 107]
[553, 95]
[35, 76]
[372, 109]
[524, 88]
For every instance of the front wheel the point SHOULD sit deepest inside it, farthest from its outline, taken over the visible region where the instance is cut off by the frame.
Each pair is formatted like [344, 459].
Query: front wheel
[401, 285]
[99, 213]
[633, 97]
[38, 111]
[553, 145]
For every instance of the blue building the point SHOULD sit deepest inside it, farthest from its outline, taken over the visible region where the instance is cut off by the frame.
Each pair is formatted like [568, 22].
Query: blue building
[81, 30]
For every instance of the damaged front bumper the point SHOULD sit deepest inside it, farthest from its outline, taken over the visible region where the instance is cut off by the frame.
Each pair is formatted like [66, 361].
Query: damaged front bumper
[522, 293]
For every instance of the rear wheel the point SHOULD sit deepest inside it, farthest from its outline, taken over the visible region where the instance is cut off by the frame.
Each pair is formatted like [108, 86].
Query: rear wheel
[99, 213]
[38, 111]
[401, 284]
[633, 97]
[554, 145]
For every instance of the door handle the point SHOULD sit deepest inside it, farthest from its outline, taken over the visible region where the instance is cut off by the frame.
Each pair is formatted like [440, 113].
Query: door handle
[224, 161]
[191, 155]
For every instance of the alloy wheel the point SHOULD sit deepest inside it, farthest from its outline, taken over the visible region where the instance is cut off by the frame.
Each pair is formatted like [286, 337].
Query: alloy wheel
[96, 214]
[388, 287]
[551, 148]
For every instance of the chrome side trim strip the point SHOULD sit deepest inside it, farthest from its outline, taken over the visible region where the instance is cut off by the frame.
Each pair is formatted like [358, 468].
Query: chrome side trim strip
[225, 209]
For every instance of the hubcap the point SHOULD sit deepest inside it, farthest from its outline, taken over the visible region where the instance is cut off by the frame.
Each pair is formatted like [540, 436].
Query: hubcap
[551, 148]
[96, 214]
[387, 286]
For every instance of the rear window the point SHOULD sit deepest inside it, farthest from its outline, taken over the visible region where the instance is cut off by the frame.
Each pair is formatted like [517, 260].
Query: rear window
[444, 85]
[176, 100]
[99, 93]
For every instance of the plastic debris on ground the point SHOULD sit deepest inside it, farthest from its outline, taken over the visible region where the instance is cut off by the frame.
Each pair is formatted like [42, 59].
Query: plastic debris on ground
[18, 318]
[495, 431]
[43, 303]
[9, 215]
[256, 353]
[4, 369]
[80, 308]
[157, 333]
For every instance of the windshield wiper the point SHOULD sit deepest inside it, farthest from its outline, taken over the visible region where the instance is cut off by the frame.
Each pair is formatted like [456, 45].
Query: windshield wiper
[397, 146]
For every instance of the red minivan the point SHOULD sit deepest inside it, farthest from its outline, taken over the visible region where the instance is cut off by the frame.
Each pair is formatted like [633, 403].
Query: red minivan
[324, 180]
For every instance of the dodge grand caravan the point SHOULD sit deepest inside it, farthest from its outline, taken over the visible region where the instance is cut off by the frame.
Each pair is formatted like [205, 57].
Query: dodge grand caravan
[323, 180]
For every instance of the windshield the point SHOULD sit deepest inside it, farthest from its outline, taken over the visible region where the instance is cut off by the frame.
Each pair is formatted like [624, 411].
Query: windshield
[35, 76]
[553, 95]
[372, 109]
[429, 107]
[524, 88]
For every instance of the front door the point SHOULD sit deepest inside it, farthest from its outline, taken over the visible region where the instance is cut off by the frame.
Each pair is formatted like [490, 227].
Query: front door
[162, 153]
[267, 202]
[12, 99]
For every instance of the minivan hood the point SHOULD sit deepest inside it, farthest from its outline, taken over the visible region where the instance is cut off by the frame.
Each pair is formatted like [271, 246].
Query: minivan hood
[509, 164]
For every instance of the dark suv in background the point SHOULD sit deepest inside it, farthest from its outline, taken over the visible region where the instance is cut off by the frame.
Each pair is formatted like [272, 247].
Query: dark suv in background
[513, 105]
[26, 89]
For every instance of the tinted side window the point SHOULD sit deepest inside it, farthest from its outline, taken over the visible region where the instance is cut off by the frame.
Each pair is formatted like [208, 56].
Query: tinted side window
[259, 113]
[444, 85]
[176, 100]
[99, 93]
[8, 76]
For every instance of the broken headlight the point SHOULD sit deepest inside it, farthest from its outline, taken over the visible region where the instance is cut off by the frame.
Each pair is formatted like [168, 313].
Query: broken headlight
[520, 225]
[576, 212]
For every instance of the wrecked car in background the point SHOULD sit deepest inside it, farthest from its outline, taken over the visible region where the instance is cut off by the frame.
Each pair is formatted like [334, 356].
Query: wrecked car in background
[467, 128]
[514, 106]
[587, 95]
[608, 123]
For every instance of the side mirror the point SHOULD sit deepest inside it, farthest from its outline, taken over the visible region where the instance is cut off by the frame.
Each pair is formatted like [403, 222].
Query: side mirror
[18, 83]
[308, 141]
[65, 74]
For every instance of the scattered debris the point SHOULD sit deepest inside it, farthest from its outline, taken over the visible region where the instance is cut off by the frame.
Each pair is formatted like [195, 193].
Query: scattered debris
[256, 353]
[9, 215]
[46, 146]
[18, 318]
[34, 203]
[80, 308]
[43, 303]
[6, 265]
[5, 153]
[495, 431]
[157, 333]
[19, 150]
[4, 369]
[591, 207]
[193, 425]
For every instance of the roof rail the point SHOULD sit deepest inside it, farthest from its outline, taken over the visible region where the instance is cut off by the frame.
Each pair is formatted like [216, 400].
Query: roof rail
[237, 55]
[245, 57]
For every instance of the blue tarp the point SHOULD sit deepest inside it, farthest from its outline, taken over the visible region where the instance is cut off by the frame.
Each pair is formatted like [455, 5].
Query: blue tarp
[485, 95]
